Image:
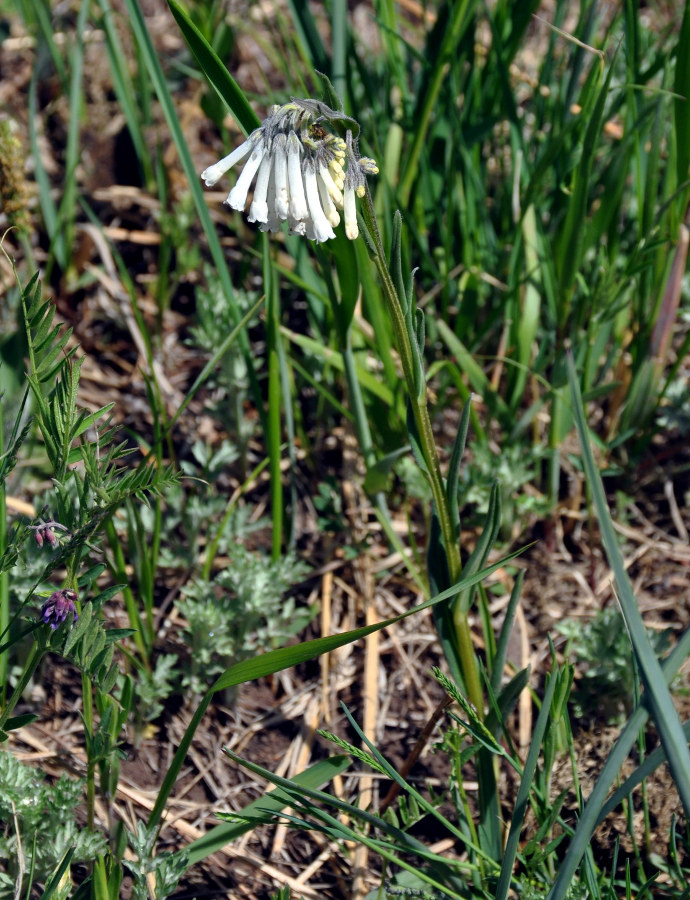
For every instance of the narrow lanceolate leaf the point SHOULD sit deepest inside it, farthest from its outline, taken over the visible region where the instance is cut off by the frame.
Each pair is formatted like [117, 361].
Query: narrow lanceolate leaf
[570, 242]
[657, 694]
[454, 465]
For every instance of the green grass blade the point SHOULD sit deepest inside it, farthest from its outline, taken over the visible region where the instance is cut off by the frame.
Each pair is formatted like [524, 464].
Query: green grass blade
[53, 885]
[339, 38]
[682, 106]
[657, 694]
[368, 381]
[308, 34]
[505, 633]
[651, 763]
[219, 77]
[571, 240]
[275, 400]
[528, 320]
[460, 18]
[48, 207]
[69, 190]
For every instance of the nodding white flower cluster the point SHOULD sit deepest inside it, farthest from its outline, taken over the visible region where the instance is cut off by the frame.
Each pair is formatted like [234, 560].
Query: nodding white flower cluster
[304, 174]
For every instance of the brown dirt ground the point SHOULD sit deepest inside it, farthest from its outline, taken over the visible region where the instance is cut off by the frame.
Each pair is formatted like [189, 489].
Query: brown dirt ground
[386, 680]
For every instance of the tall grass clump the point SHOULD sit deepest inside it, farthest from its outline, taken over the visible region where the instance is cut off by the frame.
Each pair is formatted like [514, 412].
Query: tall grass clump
[460, 234]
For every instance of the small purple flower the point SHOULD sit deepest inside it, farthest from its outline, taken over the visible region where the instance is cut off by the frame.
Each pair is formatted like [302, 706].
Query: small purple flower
[58, 607]
[45, 532]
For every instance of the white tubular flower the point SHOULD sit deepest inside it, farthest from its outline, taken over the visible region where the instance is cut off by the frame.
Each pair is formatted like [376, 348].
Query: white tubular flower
[350, 212]
[237, 198]
[322, 227]
[214, 173]
[298, 202]
[297, 226]
[304, 172]
[330, 185]
[329, 209]
[258, 211]
[281, 177]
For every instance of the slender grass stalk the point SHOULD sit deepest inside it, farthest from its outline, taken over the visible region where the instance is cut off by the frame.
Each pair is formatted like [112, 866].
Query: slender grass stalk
[275, 403]
[33, 661]
[87, 713]
[361, 421]
[131, 605]
[339, 33]
[659, 698]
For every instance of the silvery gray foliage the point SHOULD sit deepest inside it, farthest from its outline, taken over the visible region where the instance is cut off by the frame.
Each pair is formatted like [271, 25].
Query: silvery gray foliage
[42, 810]
[241, 612]
[167, 868]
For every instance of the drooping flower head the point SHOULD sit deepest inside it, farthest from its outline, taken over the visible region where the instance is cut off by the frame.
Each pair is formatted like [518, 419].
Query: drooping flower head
[304, 173]
[58, 607]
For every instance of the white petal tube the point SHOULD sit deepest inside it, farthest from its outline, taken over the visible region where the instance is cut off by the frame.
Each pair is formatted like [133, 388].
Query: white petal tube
[258, 211]
[282, 201]
[351, 227]
[322, 227]
[326, 202]
[297, 226]
[214, 173]
[237, 198]
[331, 186]
[298, 203]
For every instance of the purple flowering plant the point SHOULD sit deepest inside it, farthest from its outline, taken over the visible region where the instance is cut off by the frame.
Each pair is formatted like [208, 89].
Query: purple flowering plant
[58, 608]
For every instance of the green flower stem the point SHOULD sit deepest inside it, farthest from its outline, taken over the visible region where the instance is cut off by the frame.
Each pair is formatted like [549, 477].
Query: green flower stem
[420, 411]
[30, 666]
